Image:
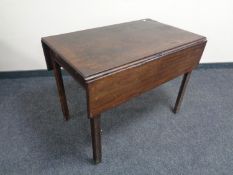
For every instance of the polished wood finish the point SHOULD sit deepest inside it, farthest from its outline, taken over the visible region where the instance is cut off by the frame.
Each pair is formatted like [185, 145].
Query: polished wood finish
[96, 139]
[180, 96]
[118, 62]
[99, 51]
[61, 90]
[136, 80]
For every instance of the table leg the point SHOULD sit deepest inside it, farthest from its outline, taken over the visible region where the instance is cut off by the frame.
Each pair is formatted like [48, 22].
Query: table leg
[96, 139]
[61, 90]
[180, 96]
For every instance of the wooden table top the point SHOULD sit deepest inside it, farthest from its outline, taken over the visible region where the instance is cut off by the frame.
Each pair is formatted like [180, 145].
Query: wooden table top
[100, 51]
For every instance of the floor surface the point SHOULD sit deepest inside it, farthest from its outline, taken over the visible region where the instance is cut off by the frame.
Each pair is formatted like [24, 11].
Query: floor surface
[141, 136]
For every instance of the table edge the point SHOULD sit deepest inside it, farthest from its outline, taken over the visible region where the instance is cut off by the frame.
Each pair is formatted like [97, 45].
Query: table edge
[143, 60]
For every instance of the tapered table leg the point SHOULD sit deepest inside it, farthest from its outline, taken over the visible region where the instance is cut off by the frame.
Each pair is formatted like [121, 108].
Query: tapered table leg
[181, 93]
[96, 139]
[61, 90]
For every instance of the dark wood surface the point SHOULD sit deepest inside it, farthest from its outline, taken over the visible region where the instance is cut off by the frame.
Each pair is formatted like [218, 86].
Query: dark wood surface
[61, 90]
[112, 90]
[118, 62]
[96, 139]
[103, 50]
[182, 89]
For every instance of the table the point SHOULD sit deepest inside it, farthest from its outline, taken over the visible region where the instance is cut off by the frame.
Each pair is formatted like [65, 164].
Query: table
[118, 62]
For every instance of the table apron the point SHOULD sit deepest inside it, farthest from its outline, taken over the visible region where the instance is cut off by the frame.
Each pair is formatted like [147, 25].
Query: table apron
[114, 89]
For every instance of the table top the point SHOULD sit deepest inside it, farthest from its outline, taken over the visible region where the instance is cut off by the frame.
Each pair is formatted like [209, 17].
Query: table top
[100, 51]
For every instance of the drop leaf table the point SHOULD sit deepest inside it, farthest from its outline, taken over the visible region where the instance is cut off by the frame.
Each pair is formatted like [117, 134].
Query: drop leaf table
[118, 62]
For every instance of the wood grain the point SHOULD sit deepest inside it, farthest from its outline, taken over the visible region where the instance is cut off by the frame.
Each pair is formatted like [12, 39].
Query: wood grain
[112, 90]
[118, 62]
[96, 51]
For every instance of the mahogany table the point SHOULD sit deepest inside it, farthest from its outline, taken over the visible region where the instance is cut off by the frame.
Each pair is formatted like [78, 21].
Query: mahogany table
[118, 62]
